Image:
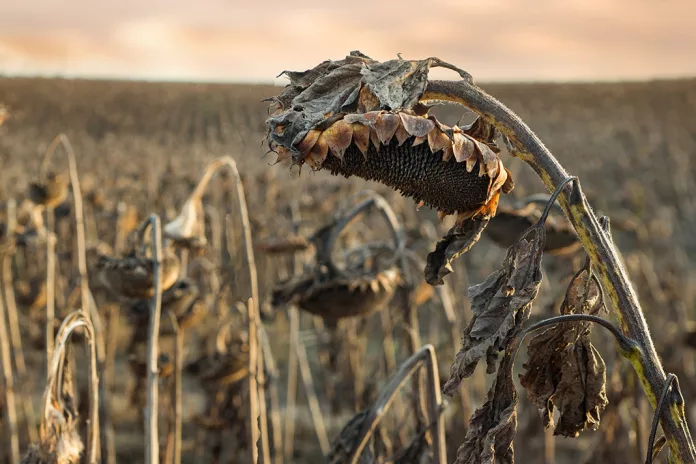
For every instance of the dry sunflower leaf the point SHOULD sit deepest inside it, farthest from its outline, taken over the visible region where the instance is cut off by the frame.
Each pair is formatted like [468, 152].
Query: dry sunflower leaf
[459, 240]
[493, 426]
[346, 441]
[564, 369]
[501, 305]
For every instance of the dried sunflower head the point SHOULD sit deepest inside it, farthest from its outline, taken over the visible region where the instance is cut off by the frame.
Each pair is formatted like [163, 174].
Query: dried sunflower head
[132, 277]
[341, 295]
[50, 192]
[360, 117]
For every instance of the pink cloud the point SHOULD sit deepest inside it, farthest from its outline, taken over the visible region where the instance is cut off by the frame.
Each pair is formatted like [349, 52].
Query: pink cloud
[251, 41]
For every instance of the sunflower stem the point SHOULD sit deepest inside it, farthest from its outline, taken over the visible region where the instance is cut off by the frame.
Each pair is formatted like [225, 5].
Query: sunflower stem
[598, 245]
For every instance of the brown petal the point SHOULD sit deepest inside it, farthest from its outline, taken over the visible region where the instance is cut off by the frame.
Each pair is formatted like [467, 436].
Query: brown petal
[418, 140]
[416, 125]
[316, 156]
[501, 179]
[447, 153]
[339, 137]
[308, 141]
[471, 162]
[283, 154]
[361, 137]
[386, 126]
[402, 135]
[374, 138]
[463, 147]
[438, 140]
[509, 183]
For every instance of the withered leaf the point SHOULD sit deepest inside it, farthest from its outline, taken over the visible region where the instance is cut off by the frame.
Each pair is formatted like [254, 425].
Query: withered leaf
[501, 305]
[459, 240]
[565, 371]
[493, 426]
[343, 445]
[335, 87]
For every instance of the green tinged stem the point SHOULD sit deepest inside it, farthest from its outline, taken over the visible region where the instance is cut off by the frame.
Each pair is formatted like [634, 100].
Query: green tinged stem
[597, 243]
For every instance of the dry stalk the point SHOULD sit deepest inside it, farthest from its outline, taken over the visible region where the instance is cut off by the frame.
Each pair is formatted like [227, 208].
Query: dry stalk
[54, 384]
[50, 296]
[294, 323]
[254, 420]
[8, 377]
[314, 408]
[253, 280]
[152, 410]
[598, 245]
[15, 335]
[178, 369]
[424, 356]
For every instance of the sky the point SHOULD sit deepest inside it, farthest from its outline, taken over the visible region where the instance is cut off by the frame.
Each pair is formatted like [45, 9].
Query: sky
[254, 40]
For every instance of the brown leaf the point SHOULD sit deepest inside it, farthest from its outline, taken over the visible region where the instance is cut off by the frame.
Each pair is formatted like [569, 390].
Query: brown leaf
[565, 371]
[493, 426]
[342, 446]
[459, 240]
[501, 305]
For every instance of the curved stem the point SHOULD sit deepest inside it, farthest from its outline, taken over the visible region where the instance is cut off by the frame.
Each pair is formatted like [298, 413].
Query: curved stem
[598, 246]
[656, 418]
[54, 383]
[377, 411]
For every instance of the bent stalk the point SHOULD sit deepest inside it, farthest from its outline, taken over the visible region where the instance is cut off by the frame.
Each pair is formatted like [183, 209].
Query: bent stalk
[598, 245]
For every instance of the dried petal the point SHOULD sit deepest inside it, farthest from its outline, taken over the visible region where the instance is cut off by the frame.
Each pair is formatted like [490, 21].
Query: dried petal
[401, 134]
[416, 125]
[339, 137]
[500, 305]
[447, 152]
[464, 148]
[374, 138]
[386, 126]
[418, 140]
[361, 137]
[308, 141]
[438, 141]
[316, 156]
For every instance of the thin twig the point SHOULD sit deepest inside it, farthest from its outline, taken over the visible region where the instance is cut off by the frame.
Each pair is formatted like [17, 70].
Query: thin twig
[314, 408]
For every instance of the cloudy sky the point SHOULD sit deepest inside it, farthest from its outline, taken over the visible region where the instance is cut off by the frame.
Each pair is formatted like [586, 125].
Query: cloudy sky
[253, 40]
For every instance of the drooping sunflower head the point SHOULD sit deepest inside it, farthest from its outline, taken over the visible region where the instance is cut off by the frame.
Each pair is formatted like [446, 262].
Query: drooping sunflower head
[360, 117]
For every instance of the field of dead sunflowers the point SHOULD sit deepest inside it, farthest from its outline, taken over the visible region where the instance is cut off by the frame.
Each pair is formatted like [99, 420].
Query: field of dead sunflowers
[304, 317]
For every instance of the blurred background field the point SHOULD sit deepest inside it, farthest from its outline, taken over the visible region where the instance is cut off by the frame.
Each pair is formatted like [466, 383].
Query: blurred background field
[144, 145]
